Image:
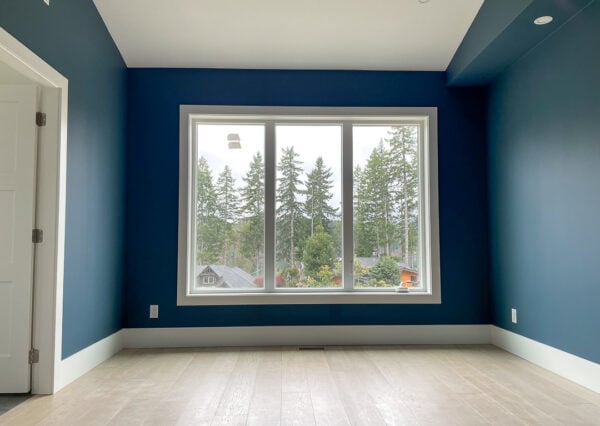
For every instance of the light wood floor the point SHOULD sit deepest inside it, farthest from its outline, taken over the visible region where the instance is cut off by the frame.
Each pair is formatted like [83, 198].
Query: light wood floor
[442, 385]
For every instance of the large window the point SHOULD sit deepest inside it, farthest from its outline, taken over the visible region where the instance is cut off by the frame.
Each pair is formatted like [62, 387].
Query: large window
[308, 205]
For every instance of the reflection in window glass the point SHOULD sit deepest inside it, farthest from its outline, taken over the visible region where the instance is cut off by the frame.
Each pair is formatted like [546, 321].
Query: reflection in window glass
[308, 227]
[386, 206]
[230, 203]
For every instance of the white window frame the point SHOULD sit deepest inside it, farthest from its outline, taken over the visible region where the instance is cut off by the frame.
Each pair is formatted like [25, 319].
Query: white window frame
[429, 272]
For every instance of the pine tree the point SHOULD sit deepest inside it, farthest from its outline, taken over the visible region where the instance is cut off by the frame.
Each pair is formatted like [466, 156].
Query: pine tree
[253, 192]
[386, 198]
[377, 184]
[252, 211]
[209, 242]
[289, 209]
[227, 199]
[318, 196]
[404, 171]
[365, 241]
[227, 211]
[205, 191]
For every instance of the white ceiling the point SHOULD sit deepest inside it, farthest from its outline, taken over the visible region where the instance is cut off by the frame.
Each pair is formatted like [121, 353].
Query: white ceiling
[301, 34]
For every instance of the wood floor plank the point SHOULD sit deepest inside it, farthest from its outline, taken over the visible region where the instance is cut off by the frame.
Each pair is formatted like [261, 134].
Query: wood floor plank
[265, 404]
[376, 385]
[328, 408]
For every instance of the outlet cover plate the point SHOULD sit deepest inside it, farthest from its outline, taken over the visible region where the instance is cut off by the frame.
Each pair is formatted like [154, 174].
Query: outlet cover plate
[513, 313]
[153, 311]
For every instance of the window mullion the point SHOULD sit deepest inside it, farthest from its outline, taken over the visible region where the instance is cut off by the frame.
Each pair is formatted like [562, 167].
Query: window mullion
[347, 208]
[270, 160]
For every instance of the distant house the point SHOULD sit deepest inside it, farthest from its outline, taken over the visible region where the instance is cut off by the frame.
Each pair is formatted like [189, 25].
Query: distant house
[409, 277]
[222, 276]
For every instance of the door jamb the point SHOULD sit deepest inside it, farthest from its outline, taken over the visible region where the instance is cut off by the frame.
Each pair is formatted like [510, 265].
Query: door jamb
[50, 210]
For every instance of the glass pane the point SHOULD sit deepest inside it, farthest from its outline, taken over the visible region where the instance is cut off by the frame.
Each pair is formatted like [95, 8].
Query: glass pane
[386, 206]
[230, 199]
[308, 196]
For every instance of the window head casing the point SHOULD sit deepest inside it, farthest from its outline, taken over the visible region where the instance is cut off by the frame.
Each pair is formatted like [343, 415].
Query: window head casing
[310, 205]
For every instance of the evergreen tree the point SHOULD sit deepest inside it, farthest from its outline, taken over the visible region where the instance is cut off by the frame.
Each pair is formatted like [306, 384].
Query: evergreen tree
[205, 191]
[209, 241]
[378, 198]
[386, 269]
[404, 170]
[252, 211]
[289, 209]
[253, 192]
[386, 198]
[365, 240]
[318, 252]
[227, 199]
[318, 196]
[227, 210]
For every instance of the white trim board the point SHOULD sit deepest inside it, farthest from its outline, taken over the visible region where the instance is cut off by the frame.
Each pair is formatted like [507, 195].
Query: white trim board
[569, 366]
[78, 364]
[50, 215]
[425, 118]
[306, 335]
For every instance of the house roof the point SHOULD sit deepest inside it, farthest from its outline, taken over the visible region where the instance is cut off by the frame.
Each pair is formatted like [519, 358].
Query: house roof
[369, 262]
[232, 276]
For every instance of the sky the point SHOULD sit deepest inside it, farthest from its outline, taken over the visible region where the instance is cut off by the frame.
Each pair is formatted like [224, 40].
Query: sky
[310, 141]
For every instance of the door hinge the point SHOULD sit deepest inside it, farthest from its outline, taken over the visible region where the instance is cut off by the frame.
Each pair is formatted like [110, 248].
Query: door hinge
[40, 119]
[34, 356]
[37, 236]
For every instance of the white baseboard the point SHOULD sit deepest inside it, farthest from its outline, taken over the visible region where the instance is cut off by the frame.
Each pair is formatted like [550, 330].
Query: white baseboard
[572, 367]
[83, 361]
[569, 366]
[306, 335]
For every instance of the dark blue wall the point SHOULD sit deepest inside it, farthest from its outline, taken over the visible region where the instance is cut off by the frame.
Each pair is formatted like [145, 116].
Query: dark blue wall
[71, 36]
[544, 166]
[152, 189]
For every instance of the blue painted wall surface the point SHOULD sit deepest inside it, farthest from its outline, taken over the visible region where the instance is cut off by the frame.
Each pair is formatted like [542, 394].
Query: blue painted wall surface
[152, 189]
[544, 166]
[71, 37]
[503, 32]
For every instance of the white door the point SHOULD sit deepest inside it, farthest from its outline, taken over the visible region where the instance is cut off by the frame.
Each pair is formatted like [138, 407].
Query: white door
[18, 150]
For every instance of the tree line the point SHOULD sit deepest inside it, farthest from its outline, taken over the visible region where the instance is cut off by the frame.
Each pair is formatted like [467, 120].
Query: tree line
[386, 190]
[230, 220]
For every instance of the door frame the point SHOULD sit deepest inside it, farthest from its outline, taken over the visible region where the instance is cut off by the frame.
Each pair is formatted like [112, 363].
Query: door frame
[50, 216]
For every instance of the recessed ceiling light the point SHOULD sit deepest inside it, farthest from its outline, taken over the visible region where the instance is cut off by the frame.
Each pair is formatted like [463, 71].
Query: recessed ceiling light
[234, 141]
[423, 1]
[543, 20]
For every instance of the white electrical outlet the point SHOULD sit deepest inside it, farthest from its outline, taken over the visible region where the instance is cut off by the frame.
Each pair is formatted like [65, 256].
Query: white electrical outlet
[513, 312]
[153, 311]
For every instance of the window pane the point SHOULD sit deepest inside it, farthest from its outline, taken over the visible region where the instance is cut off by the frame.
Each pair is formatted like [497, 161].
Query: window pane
[386, 206]
[308, 233]
[230, 202]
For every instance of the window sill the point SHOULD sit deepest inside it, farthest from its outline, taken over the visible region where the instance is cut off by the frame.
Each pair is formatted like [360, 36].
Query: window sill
[315, 298]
